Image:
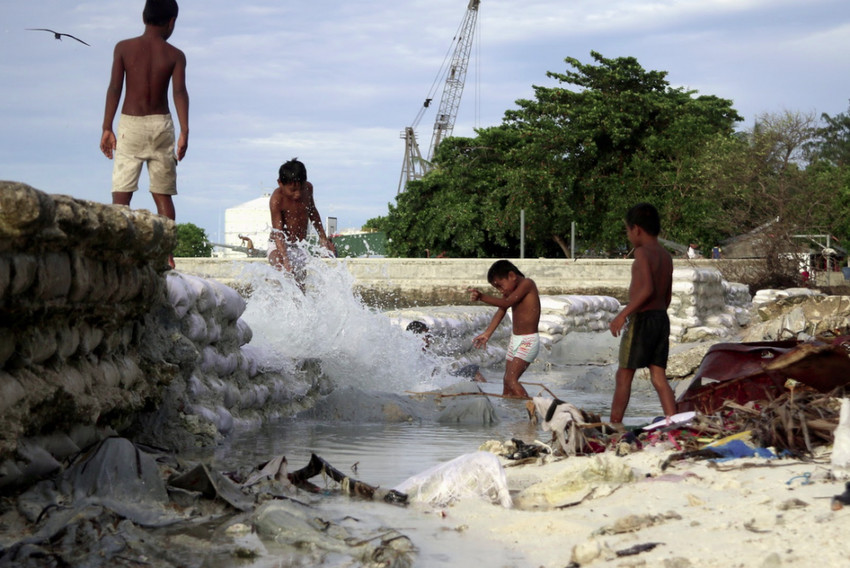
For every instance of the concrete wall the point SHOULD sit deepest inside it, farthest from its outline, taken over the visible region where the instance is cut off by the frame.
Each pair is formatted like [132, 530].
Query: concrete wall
[402, 282]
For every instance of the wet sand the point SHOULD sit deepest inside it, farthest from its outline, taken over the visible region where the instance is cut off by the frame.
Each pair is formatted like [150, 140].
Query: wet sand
[740, 512]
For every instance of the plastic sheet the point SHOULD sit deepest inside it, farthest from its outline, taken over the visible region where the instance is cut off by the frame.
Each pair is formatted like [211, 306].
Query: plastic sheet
[478, 474]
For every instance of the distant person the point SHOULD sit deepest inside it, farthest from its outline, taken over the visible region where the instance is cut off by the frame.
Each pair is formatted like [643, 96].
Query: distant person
[470, 371]
[148, 63]
[717, 253]
[249, 245]
[292, 209]
[692, 251]
[520, 295]
[644, 321]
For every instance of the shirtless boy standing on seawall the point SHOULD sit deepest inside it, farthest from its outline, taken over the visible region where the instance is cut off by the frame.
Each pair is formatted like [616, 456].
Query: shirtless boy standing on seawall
[521, 296]
[148, 63]
[646, 337]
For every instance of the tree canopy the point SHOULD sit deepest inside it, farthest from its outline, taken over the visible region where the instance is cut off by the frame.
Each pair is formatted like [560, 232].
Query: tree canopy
[192, 241]
[609, 135]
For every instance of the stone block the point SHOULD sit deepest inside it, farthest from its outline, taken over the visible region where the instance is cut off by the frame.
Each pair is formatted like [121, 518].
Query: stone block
[54, 276]
[24, 210]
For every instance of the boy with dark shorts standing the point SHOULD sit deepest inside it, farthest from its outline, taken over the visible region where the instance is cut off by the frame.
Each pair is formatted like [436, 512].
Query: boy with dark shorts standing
[521, 296]
[644, 321]
[148, 63]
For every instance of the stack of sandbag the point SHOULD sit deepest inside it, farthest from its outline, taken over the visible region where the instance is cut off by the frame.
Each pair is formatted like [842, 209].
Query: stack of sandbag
[561, 315]
[225, 387]
[704, 307]
[767, 296]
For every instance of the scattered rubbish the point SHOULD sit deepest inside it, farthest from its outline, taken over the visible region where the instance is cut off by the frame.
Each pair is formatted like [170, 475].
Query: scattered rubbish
[570, 425]
[792, 504]
[212, 484]
[675, 420]
[634, 523]
[751, 526]
[637, 549]
[839, 501]
[525, 451]
[806, 477]
[477, 474]
[348, 485]
[742, 372]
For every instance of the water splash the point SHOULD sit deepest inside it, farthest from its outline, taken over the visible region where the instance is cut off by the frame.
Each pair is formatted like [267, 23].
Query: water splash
[355, 344]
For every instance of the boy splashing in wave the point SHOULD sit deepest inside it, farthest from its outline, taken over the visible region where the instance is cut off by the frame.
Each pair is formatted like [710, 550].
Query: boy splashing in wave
[520, 295]
[292, 208]
[644, 321]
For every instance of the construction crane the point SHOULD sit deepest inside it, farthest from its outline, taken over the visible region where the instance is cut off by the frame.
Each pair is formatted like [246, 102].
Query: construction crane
[414, 166]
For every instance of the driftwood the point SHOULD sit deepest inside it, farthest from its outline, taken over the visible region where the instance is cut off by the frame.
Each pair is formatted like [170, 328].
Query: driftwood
[348, 485]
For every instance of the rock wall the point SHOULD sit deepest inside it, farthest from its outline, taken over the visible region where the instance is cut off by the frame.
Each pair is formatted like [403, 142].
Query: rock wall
[97, 336]
[77, 280]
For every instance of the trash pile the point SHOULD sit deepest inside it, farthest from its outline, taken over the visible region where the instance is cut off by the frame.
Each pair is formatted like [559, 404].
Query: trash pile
[120, 503]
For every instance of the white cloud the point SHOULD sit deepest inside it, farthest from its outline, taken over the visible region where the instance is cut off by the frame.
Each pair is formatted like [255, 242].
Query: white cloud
[335, 83]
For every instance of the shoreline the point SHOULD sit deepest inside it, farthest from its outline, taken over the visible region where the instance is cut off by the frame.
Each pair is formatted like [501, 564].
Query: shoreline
[740, 512]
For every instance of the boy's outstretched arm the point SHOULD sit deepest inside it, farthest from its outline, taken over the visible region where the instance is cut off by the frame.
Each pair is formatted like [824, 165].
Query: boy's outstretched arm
[113, 97]
[316, 219]
[522, 290]
[480, 341]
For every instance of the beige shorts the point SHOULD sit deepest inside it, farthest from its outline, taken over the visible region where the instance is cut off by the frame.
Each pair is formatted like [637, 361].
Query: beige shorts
[145, 140]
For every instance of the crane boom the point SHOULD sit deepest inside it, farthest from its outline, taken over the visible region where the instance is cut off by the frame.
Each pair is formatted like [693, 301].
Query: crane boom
[453, 89]
[414, 166]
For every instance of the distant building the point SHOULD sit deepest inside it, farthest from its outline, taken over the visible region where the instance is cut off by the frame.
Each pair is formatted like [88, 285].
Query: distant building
[250, 219]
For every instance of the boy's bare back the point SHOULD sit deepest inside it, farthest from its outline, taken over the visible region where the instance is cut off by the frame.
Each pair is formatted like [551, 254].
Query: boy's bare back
[148, 62]
[652, 269]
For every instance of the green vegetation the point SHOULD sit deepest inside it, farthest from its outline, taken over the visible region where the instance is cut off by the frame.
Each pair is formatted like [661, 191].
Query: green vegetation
[191, 241]
[610, 135]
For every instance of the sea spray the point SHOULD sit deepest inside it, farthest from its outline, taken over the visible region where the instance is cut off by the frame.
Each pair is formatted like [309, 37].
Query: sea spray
[355, 344]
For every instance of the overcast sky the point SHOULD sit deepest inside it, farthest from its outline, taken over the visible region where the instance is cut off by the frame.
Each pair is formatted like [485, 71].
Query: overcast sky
[335, 83]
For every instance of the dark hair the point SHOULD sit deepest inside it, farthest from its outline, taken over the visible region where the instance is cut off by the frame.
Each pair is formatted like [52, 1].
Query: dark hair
[645, 216]
[501, 269]
[417, 327]
[159, 12]
[292, 171]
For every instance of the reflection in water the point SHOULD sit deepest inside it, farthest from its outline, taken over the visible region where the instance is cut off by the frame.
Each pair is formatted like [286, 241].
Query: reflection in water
[388, 453]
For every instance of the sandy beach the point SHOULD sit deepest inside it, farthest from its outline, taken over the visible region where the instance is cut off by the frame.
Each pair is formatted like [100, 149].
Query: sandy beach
[582, 511]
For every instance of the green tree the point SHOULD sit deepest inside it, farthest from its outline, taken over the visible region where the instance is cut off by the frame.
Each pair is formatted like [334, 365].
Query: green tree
[833, 139]
[617, 135]
[191, 241]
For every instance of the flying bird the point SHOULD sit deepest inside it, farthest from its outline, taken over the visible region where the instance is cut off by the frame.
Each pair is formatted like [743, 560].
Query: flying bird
[57, 35]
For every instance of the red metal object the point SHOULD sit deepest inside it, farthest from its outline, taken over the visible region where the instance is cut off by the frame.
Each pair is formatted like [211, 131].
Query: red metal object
[742, 372]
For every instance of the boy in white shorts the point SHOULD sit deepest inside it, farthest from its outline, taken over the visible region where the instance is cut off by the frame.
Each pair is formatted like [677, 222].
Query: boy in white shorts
[521, 296]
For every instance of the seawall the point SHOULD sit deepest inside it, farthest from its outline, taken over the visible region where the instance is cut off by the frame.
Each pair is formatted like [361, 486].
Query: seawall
[393, 283]
[98, 337]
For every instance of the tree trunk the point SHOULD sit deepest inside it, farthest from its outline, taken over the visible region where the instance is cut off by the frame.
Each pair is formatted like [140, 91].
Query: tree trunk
[564, 247]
